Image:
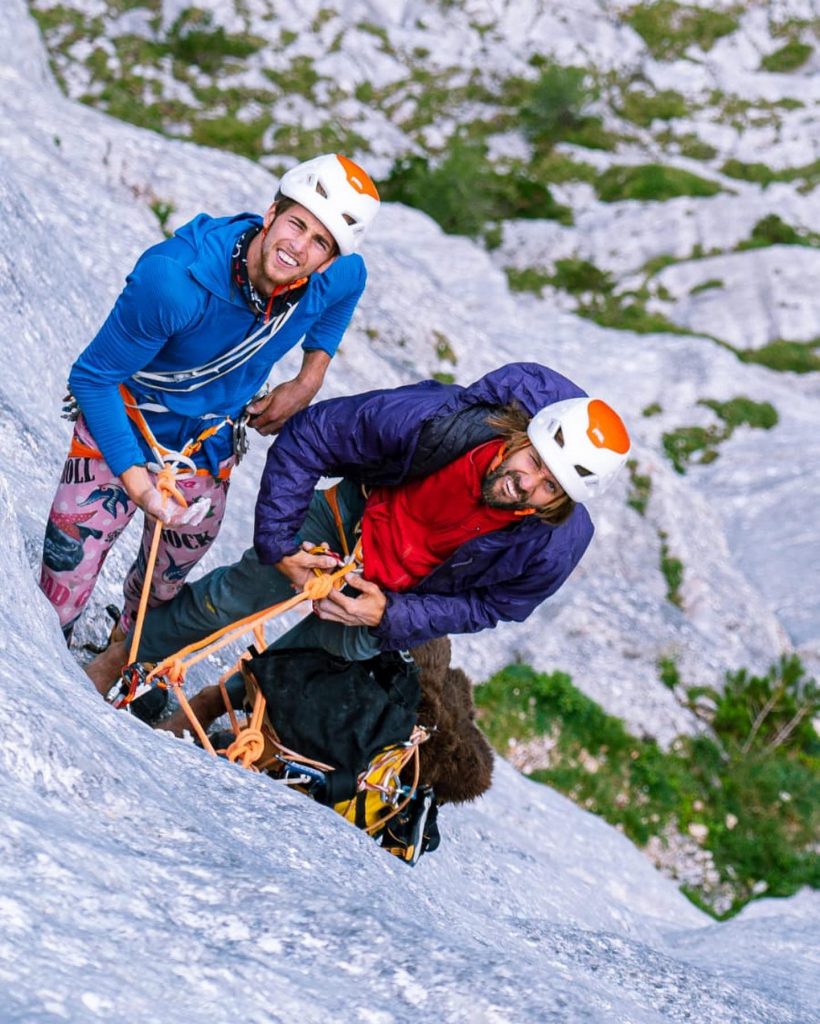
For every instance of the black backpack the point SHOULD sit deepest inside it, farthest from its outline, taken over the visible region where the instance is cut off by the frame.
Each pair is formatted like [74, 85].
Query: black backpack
[347, 715]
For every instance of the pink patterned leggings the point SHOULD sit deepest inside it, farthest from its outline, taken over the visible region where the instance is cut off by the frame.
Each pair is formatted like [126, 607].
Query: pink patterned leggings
[90, 510]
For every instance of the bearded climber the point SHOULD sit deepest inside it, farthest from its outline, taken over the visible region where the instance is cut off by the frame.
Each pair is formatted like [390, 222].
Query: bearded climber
[468, 501]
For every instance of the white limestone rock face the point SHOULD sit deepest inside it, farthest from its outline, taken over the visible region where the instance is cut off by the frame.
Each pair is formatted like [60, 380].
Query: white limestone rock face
[747, 299]
[117, 838]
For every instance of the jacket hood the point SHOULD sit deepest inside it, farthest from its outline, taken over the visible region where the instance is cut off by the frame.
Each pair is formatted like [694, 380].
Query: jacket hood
[213, 239]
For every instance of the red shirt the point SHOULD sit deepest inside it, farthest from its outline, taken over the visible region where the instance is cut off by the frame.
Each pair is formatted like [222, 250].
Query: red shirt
[409, 530]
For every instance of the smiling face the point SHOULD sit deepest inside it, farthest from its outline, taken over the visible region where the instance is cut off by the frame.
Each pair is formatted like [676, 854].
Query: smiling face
[293, 244]
[523, 480]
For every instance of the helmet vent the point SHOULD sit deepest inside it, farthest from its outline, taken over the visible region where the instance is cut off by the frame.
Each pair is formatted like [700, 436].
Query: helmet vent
[321, 190]
[559, 437]
[348, 219]
[581, 471]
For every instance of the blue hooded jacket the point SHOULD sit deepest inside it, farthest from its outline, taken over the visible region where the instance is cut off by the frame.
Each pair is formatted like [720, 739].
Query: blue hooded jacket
[375, 439]
[180, 309]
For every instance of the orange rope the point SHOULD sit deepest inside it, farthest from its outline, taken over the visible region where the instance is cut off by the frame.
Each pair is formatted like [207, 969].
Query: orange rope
[195, 723]
[176, 665]
[166, 485]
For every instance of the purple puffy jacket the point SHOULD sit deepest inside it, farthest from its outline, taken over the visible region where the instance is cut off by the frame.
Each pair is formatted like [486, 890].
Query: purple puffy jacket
[375, 438]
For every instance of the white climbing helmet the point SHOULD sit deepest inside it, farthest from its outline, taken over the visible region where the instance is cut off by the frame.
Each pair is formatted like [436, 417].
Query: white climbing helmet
[336, 191]
[584, 443]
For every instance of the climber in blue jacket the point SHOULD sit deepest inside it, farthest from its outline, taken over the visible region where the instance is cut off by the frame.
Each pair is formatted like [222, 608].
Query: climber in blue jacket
[179, 366]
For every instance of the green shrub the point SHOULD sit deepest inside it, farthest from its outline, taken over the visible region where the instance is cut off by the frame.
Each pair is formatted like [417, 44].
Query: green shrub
[591, 134]
[752, 781]
[464, 193]
[669, 28]
[756, 713]
[191, 40]
[162, 210]
[691, 146]
[651, 182]
[444, 350]
[788, 58]
[578, 276]
[556, 103]
[756, 172]
[772, 230]
[557, 168]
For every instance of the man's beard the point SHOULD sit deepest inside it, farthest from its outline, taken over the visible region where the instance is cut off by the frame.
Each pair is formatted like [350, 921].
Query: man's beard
[488, 485]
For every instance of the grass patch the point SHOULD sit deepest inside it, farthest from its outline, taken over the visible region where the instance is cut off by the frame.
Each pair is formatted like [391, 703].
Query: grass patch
[162, 210]
[444, 350]
[230, 133]
[593, 289]
[672, 570]
[706, 286]
[669, 28]
[749, 787]
[640, 488]
[788, 58]
[681, 445]
[686, 144]
[668, 673]
[772, 230]
[651, 182]
[643, 108]
[527, 279]
[558, 168]
[627, 312]
[786, 356]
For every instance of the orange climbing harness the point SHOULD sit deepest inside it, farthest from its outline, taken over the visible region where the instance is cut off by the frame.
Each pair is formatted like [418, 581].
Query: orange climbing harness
[163, 456]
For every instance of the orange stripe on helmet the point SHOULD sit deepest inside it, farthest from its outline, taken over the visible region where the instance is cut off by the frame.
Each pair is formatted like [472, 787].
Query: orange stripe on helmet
[358, 178]
[606, 428]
